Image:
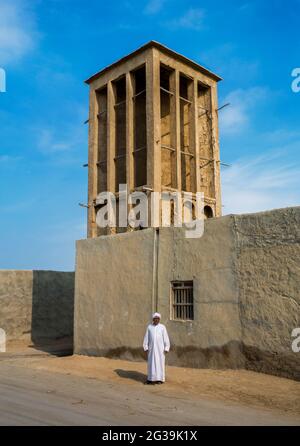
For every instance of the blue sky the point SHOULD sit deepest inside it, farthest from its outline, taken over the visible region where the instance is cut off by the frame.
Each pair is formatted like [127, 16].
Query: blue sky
[48, 48]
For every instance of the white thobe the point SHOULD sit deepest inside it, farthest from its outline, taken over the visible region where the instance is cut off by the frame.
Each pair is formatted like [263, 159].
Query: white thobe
[156, 342]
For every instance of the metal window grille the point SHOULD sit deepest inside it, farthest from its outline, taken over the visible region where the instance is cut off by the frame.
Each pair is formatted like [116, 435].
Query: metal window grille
[182, 300]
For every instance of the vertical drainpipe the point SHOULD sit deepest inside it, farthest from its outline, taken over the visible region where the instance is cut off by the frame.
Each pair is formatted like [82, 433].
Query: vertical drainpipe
[155, 271]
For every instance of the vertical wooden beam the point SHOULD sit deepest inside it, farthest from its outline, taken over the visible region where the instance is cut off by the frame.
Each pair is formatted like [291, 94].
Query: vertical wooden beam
[195, 135]
[175, 125]
[111, 137]
[129, 133]
[153, 120]
[92, 163]
[216, 149]
[111, 143]
[178, 132]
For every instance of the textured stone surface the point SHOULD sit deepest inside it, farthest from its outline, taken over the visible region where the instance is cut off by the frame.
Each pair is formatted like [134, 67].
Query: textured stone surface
[16, 303]
[36, 305]
[116, 281]
[268, 270]
[113, 293]
[246, 292]
[163, 121]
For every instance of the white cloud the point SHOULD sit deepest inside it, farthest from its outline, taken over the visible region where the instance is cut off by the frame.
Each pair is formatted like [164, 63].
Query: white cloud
[192, 19]
[260, 183]
[17, 206]
[283, 137]
[48, 142]
[8, 159]
[154, 6]
[235, 118]
[17, 31]
[67, 138]
[51, 77]
[225, 60]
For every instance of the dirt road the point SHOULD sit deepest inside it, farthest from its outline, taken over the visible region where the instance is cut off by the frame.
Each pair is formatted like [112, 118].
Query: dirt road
[76, 390]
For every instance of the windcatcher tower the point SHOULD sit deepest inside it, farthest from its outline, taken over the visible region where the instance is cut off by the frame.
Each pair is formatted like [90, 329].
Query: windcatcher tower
[153, 124]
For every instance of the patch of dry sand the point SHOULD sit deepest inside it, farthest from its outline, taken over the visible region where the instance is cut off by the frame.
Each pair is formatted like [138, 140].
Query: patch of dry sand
[235, 386]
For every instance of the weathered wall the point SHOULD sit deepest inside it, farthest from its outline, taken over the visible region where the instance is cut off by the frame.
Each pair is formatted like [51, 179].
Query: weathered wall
[36, 305]
[268, 271]
[113, 293]
[246, 292]
[16, 303]
[212, 338]
[121, 279]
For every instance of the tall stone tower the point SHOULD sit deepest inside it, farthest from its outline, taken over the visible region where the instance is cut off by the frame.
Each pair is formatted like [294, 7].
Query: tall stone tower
[153, 125]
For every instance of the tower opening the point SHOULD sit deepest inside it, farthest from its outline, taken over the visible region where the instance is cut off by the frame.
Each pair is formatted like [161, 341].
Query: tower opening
[186, 146]
[140, 127]
[101, 100]
[208, 212]
[120, 131]
[168, 151]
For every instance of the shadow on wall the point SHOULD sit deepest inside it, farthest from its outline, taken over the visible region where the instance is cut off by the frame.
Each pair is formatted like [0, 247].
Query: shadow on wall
[53, 311]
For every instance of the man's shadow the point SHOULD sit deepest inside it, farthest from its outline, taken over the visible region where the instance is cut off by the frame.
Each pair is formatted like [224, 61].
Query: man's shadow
[131, 374]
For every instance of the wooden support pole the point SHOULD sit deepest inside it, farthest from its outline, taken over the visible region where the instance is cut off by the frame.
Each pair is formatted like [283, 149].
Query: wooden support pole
[111, 138]
[129, 133]
[92, 162]
[195, 135]
[153, 120]
[216, 150]
[175, 123]
[173, 136]
[111, 143]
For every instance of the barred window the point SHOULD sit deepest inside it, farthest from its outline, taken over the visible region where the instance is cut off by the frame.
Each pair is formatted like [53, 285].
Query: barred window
[182, 300]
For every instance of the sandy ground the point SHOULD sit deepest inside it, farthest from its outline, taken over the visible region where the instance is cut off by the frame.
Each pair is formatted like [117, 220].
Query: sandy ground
[262, 395]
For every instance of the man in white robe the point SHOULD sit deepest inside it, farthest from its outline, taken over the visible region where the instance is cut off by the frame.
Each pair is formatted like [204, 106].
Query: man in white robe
[156, 343]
